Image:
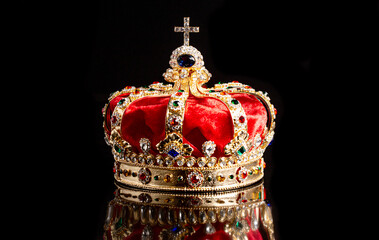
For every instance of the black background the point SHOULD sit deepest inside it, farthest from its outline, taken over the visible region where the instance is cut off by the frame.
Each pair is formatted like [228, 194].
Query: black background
[317, 60]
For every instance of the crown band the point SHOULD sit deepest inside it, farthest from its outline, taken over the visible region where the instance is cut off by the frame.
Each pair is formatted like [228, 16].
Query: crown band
[189, 178]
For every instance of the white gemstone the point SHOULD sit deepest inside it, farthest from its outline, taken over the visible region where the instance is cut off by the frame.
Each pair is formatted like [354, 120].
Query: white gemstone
[144, 145]
[180, 162]
[209, 148]
[183, 73]
[201, 163]
[168, 162]
[212, 216]
[190, 162]
[222, 215]
[222, 162]
[212, 162]
[160, 161]
[257, 140]
[209, 229]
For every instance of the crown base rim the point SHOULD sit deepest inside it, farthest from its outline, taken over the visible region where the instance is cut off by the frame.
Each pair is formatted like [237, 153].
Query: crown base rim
[233, 186]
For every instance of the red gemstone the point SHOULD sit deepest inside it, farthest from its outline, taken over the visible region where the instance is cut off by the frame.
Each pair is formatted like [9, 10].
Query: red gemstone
[114, 119]
[142, 176]
[243, 174]
[155, 82]
[174, 122]
[235, 82]
[178, 94]
[195, 179]
[242, 119]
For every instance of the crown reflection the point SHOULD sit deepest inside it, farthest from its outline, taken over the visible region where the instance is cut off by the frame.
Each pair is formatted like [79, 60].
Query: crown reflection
[149, 215]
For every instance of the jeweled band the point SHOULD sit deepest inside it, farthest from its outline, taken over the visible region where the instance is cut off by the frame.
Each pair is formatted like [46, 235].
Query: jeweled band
[189, 178]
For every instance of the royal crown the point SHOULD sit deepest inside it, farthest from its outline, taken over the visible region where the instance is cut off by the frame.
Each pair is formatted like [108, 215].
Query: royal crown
[185, 136]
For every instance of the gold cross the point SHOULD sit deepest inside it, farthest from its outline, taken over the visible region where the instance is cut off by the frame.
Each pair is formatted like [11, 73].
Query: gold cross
[186, 29]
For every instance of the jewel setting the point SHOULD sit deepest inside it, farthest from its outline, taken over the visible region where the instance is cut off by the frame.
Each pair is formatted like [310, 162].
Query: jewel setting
[144, 175]
[195, 179]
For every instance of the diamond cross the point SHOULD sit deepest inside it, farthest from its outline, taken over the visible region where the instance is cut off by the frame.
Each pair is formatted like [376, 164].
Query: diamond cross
[186, 29]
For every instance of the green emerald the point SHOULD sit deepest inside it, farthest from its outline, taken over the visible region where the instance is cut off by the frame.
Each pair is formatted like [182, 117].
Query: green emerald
[156, 177]
[121, 101]
[181, 90]
[119, 223]
[175, 103]
[117, 149]
[231, 176]
[241, 151]
[234, 101]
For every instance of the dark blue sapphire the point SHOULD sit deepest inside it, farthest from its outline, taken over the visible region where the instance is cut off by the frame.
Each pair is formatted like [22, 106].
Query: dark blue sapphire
[176, 229]
[186, 60]
[173, 153]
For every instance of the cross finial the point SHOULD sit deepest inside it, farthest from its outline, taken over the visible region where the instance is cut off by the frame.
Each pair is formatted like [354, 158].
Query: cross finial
[186, 29]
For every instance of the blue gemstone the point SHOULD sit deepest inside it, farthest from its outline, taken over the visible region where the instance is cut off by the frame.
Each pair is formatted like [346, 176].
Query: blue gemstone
[175, 229]
[173, 153]
[186, 60]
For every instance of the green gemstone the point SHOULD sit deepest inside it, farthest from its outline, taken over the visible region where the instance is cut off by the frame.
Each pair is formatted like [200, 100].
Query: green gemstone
[151, 89]
[234, 101]
[121, 101]
[241, 151]
[181, 90]
[209, 179]
[175, 103]
[156, 177]
[239, 225]
[211, 91]
[231, 176]
[119, 223]
[180, 178]
[117, 149]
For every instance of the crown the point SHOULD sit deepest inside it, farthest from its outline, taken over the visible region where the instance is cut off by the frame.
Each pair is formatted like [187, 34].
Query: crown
[184, 136]
[236, 214]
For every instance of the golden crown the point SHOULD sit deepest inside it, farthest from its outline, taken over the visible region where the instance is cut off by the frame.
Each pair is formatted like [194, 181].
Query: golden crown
[186, 136]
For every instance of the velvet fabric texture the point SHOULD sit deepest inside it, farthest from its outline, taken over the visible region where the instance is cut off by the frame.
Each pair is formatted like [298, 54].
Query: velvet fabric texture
[205, 119]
